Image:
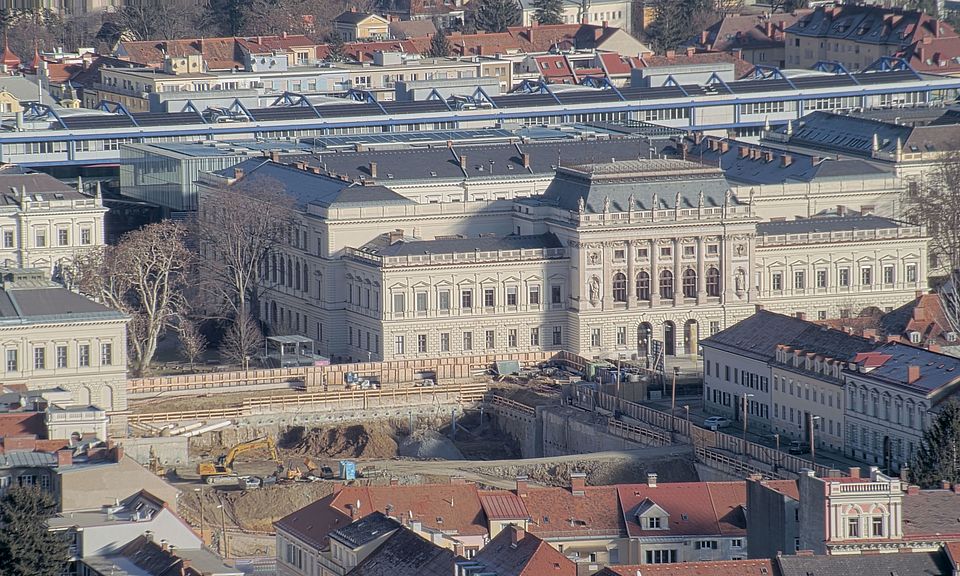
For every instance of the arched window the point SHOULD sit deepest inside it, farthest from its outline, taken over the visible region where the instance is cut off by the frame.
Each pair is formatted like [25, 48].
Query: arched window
[273, 267]
[296, 277]
[689, 283]
[289, 273]
[713, 281]
[643, 285]
[283, 271]
[273, 312]
[619, 287]
[666, 284]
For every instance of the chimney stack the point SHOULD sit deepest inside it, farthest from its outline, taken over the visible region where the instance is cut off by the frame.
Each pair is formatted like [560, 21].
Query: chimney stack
[944, 484]
[275, 156]
[690, 51]
[237, 173]
[854, 471]
[394, 481]
[517, 534]
[521, 486]
[373, 169]
[525, 157]
[652, 479]
[463, 162]
[913, 374]
[578, 481]
[704, 38]
[163, 545]
[786, 160]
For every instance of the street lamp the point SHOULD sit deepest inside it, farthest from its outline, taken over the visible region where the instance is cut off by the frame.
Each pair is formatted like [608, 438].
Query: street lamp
[776, 462]
[686, 409]
[813, 446]
[223, 531]
[673, 397]
[744, 404]
[200, 497]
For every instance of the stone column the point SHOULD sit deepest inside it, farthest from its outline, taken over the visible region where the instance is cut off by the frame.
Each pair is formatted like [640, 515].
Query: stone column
[752, 271]
[701, 279]
[654, 274]
[606, 278]
[677, 284]
[726, 268]
[631, 272]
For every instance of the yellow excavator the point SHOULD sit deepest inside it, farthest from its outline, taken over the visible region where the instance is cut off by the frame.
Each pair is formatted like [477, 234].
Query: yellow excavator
[213, 472]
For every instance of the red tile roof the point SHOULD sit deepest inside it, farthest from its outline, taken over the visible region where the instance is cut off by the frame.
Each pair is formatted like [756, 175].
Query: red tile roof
[261, 44]
[503, 505]
[717, 568]
[740, 66]
[446, 507]
[218, 53]
[514, 552]
[615, 64]
[7, 57]
[22, 423]
[871, 359]
[932, 513]
[953, 552]
[556, 512]
[785, 487]
[694, 508]
[750, 31]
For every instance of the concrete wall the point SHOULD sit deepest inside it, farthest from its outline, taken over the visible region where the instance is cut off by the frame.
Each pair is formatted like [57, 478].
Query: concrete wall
[524, 428]
[772, 522]
[168, 450]
[812, 514]
[570, 431]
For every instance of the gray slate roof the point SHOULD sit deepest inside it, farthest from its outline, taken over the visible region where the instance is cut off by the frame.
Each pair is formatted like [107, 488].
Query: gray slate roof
[366, 529]
[34, 183]
[406, 554]
[48, 304]
[826, 224]
[645, 180]
[759, 335]
[936, 370]
[901, 564]
[862, 24]
[464, 245]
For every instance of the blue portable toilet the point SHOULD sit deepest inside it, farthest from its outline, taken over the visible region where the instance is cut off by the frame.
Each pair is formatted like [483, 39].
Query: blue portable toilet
[348, 470]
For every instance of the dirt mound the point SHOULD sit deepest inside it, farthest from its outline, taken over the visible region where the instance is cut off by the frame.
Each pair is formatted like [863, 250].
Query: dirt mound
[600, 472]
[429, 444]
[374, 440]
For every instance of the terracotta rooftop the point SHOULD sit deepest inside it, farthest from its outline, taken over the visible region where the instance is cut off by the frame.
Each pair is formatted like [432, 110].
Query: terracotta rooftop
[932, 512]
[694, 508]
[503, 505]
[515, 552]
[558, 512]
[718, 568]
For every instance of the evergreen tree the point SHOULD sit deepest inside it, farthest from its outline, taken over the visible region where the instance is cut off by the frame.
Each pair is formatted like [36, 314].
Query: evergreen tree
[548, 11]
[27, 547]
[938, 457]
[676, 21]
[497, 15]
[336, 46]
[226, 17]
[439, 45]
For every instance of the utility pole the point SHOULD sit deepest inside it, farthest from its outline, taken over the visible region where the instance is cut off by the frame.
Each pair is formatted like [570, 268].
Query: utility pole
[745, 396]
[673, 401]
[813, 446]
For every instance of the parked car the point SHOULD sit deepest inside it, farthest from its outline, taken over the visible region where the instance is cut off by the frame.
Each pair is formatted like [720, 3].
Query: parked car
[250, 482]
[716, 422]
[797, 447]
[326, 473]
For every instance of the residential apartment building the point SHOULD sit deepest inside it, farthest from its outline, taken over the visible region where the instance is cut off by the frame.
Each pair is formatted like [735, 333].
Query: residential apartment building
[750, 368]
[44, 223]
[353, 26]
[56, 338]
[613, 13]
[856, 35]
[758, 38]
[892, 394]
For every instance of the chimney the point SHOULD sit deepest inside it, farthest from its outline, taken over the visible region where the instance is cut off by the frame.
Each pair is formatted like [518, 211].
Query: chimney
[578, 482]
[724, 147]
[690, 51]
[274, 156]
[804, 553]
[373, 169]
[652, 479]
[463, 162]
[521, 486]
[517, 534]
[913, 374]
[458, 480]
[394, 236]
[237, 173]
[744, 151]
[606, 24]
[704, 38]
[870, 333]
[913, 490]
[841, 210]
[525, 157]
[118, 453]
[148, 535]
[671, 54]
[28, 442]
[163, 545]
[769, 28]
[944, 484]
[64, 458]
[394, 481]
[458, 549]
[786, 160]
[354, 510]
[767, 156]
[854, 471]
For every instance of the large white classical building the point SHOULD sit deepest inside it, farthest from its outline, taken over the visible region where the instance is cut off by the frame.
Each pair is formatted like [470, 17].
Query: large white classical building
[480, 249]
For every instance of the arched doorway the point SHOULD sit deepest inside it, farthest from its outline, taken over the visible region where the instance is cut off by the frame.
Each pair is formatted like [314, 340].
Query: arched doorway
[644, 333]
[691, 337]
[669, 338]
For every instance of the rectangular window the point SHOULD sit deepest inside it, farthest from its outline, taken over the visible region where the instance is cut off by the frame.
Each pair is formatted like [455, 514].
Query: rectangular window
[8, 238]
[888, 275]
[39, 358]
[512, 338]
[714, 327]
[511, 295]
[534, 336]
[444, 341]
[653, 522]
[468, 340]
[421, 301]
[621, 335]
[398, 345]
[776, 281]
[706, 545]
[399, 303]
[799, 280]
[86, 236]
[63, 237]
[558, 335]
[421, 343]
[821, 278]
[853, 527]
[106, 354]
[666, 251]
[61, 356]
[489, 298]
[911, 272]
[41, 238]
[844, 277]
[866, 276]
[466, 299]
[83, 355]
[490, 339]
[595, 337]
[534, 296]
[661, 556]
[556, 295]
[11, 360]
[443, 300]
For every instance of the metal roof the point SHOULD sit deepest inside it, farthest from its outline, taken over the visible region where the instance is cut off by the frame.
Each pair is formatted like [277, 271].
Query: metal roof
[826, 224]
[24, 459]
[465, 245]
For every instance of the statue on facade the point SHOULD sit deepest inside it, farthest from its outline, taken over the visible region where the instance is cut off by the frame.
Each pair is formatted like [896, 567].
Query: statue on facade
[740, 280]
[581, 205]
[594, 290]
[606, 204]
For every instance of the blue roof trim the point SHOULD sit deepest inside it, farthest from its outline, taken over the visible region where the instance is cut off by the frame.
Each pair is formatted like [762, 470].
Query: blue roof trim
[671, 81]
[116, 108]
[892, 64]
[42, 111]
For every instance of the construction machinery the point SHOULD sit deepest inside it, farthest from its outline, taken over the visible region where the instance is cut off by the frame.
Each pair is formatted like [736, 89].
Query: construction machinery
[221, 471]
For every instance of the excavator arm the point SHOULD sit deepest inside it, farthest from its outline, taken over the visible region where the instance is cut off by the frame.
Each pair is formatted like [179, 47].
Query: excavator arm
[251, 445]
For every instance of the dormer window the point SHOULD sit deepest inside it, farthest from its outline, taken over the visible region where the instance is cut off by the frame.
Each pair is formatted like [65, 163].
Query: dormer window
[652, 523]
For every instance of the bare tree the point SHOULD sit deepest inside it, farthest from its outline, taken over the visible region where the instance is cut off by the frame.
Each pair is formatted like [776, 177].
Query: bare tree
[143, 276]
[159, 19]
[242, 340]
[192, 343]
[237, 228]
